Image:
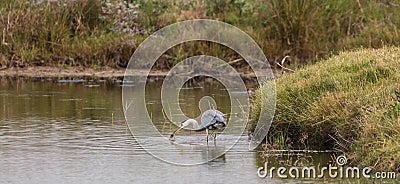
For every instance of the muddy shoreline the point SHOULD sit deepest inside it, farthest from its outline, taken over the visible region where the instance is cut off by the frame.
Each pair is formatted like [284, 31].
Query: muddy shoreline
[42, 72]
[62, 72]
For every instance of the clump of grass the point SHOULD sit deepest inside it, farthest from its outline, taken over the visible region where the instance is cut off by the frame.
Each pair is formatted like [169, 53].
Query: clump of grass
[347, 102]
[60, 33]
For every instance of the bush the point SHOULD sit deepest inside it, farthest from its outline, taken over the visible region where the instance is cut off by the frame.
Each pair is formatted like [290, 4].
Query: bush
[59, 33]
[306, 30]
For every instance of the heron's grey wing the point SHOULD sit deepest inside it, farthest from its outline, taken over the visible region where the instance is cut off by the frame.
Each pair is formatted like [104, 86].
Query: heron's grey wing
[219, 116]
[209, 117]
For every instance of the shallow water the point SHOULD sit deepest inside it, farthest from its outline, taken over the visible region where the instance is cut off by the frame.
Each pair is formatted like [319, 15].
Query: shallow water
[74, 131]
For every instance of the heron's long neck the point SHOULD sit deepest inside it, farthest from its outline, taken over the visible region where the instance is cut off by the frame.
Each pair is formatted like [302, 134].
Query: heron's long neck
[194, 123]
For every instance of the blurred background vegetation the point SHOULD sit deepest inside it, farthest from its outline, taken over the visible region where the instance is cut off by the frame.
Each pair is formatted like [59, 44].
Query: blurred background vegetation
[104, 33]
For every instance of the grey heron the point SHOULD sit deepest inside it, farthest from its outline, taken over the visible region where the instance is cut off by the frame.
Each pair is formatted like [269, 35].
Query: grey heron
[210, 120]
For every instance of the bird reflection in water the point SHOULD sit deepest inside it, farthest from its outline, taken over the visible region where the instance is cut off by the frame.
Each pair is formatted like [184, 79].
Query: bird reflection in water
[214, 155]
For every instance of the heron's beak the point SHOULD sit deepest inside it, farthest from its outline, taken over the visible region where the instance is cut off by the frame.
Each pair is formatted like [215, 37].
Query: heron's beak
[171, 137]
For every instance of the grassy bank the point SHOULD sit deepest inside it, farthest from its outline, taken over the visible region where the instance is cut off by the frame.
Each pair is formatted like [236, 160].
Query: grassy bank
[349, 102]
[100, 33]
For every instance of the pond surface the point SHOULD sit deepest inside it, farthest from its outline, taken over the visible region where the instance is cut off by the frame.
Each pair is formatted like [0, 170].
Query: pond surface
[74, 131]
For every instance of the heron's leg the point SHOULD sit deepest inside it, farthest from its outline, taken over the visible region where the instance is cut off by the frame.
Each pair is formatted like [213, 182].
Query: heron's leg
[212, 135]
[207, 134]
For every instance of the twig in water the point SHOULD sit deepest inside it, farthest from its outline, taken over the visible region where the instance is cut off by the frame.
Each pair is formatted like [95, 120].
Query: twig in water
[244, 114]
[170, 115]
[127, 129]
[211, 106]
[165, 120]
[127, 106]
[112, 118]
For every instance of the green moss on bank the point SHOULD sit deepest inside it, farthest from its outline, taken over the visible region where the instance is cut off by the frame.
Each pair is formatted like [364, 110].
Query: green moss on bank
[348, 102]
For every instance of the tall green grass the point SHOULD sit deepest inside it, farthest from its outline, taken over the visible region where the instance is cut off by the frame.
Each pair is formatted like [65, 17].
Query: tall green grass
[76, 32]
[59, 33]
[349, 102]
[306, 30]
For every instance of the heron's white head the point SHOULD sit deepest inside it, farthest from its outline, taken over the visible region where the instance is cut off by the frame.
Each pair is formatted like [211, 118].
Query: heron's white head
[183, 124]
